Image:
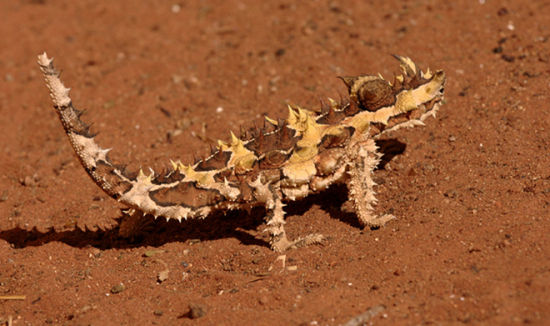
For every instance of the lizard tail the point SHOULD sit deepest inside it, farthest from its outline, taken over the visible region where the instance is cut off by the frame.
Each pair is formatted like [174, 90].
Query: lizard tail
[140, 191]
[95, 160]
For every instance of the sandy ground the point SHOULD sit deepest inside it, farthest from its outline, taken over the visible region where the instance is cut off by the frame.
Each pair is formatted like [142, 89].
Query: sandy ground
[162, 80]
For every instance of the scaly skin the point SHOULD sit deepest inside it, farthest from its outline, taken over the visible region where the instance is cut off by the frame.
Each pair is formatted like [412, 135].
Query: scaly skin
[302, 155]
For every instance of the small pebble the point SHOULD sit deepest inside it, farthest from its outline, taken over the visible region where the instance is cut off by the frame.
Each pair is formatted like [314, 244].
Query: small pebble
[163, 276]
[175, 8]
[118, 288]
[151, 253]
[196, 310]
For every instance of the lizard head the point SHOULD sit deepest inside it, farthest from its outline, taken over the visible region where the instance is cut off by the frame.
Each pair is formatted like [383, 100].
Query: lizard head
[407, 101]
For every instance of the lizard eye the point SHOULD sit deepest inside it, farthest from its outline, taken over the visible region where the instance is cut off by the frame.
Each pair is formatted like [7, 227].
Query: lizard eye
[441, 90]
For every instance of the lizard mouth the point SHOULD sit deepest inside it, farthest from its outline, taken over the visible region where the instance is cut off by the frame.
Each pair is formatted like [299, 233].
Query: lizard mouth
[408, 119]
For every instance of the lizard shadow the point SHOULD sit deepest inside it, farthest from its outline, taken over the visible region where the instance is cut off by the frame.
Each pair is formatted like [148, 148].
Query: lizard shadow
[389, 148]
[238, 224]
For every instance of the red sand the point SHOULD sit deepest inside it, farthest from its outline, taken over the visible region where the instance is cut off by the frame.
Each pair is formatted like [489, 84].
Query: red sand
[471, 189]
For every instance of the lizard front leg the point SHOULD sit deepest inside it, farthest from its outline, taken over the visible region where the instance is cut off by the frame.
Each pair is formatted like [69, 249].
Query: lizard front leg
[363, 159]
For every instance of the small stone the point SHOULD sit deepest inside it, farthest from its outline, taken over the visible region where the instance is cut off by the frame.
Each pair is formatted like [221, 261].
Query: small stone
[451, 193]
[502, 11]
[163, 276]
[508, 58]
[280, 52]
[4, 196]
[85, 309]
[29, 181]
[175, 8]
[94, 252]
[184, 276]
[151, 253]
[177, 79]
[498, 49]
[190, 82]
[118, 288]
[158, 312]
[196, 310]
[263, 300]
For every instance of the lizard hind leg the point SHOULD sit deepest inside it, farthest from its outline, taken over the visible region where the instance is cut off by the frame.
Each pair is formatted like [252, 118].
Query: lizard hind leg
[275, 226]
[275, 219]
[364, 158]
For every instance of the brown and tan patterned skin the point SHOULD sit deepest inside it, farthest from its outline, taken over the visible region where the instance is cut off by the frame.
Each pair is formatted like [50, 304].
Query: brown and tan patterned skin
[303, 154]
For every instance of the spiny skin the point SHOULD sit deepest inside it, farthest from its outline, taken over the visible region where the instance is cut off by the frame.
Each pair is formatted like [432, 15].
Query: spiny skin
[299, 156]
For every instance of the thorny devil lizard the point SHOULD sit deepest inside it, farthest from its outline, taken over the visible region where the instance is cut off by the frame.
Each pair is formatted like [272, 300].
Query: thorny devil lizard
[296, 157]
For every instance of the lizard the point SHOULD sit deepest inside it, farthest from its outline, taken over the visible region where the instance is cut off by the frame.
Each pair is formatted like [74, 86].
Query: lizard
[295, 157]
